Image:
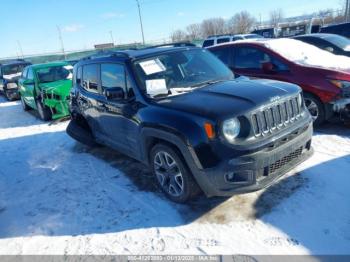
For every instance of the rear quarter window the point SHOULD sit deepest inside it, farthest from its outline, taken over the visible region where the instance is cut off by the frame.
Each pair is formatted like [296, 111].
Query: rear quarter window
[90, 79]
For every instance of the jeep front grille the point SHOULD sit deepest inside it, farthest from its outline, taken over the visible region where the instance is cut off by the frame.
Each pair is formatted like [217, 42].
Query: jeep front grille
[285, 160]
[276, 116]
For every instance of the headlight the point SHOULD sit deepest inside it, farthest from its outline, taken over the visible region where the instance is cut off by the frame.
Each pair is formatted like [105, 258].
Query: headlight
[11, 85]
[231, 129]
[340, 83]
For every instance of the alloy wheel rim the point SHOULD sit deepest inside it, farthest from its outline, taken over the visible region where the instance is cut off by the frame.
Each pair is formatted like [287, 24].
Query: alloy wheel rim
[168, 174]
[313, 108]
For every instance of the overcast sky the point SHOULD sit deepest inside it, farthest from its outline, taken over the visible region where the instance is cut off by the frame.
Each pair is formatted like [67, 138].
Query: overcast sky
[84, 23]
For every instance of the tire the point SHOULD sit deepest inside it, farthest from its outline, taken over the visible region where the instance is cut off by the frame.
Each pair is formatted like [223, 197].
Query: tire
[316, 109]
[24, 105]
[172, 174]
[80, 134]
[44, 112]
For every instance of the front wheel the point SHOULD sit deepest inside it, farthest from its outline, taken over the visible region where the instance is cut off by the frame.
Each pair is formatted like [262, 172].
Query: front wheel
[172, 175]
[316, 109]
[44, 112]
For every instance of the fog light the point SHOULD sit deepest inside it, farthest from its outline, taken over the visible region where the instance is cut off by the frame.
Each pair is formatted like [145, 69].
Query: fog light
[239, 177]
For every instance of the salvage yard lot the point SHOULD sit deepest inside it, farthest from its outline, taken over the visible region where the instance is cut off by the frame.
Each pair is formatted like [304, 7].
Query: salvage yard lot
[60, 197]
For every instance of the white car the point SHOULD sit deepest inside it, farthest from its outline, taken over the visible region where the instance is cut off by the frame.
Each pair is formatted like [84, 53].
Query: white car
[219, 39]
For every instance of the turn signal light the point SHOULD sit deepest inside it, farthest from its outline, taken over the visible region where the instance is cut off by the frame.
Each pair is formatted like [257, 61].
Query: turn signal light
[209, 129]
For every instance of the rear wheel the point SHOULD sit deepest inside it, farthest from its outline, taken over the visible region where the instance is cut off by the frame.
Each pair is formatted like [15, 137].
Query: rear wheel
[316, 109]
[44, 112]
[172, 174]
[24, 105]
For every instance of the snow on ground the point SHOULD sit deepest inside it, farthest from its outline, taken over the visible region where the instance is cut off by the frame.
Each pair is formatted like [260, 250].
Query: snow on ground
[59, 197]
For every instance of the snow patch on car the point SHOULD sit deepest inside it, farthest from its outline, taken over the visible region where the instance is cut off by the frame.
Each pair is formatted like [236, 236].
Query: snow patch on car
[306, 54]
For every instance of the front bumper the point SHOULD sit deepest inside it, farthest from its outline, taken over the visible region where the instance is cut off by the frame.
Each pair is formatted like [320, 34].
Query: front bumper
[12, 93]
[58, 105]
[257, 170]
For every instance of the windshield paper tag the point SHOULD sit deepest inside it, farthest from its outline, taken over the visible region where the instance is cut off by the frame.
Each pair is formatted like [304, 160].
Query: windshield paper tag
[156, 87]
[152, 66]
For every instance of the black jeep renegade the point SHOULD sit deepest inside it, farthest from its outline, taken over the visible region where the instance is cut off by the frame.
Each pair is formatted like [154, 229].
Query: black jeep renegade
[179, 110]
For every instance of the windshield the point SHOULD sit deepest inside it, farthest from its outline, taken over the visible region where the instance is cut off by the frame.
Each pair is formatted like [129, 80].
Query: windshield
[52, 74]
[306, 54]
[181, 71]
[339, 41]
[13, 69]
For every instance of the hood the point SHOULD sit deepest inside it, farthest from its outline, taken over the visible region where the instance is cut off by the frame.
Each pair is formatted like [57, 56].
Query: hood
[327, 73]
[12, 77]
[230, 98]
[61, 87]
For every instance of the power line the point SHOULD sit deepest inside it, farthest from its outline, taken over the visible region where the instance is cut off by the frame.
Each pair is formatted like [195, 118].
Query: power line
[143, 36]
[20, 48]
[112, 38]
[61, 41]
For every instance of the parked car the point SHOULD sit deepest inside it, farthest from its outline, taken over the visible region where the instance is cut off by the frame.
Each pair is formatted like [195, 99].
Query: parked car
[46, 88]
[9, 74]
[220, 39]
[336, 44]
[324, 77]
[179, 110]
[342, 29]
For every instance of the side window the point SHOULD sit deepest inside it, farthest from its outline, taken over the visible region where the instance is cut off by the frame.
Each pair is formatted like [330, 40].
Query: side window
[30, 75]
[208, 43]
[113, 75]
[279, 65]
[249, 58]
[223, 54]
[91, 78]
[222, 40]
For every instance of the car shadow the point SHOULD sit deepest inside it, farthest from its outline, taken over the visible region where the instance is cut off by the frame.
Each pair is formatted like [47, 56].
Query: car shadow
[52, 185]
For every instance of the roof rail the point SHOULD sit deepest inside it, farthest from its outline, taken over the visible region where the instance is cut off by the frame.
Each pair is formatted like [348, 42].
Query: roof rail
[176, 44]
[221, 35]
[106, 54]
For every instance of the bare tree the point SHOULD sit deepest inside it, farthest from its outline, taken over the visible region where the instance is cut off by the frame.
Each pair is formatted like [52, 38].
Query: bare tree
[213, 26]
[178, 36]
[193, 31]
[240, 23]
[276, 16]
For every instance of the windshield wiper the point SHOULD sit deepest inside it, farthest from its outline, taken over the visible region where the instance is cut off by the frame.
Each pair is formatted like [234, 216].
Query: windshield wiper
[210, 82]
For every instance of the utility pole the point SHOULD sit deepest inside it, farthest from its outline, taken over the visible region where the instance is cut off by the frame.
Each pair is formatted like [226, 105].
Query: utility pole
[143, 36]
[61, 41]
[111, 33]
[347, 10]
[20, 48]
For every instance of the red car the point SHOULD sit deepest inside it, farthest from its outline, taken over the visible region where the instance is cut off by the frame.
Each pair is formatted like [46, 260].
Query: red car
[323, 76]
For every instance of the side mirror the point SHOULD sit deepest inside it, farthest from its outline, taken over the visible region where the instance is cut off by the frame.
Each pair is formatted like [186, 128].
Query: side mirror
[267, 67]
[114, 93]
[329, 49]
[28, 82]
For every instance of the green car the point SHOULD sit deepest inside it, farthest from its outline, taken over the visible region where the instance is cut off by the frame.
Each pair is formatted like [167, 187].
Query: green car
[46, 87]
